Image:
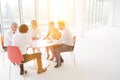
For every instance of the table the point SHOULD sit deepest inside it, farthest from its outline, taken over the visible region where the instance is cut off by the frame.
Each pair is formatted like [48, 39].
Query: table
[41, 44]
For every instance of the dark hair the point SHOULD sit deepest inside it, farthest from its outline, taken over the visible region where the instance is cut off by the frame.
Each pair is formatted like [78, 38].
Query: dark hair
[23, 28]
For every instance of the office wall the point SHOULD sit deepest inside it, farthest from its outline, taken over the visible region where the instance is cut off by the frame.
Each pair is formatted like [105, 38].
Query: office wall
[116, 13]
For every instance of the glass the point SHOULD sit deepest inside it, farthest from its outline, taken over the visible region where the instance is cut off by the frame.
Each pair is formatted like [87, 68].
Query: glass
[10, 12]
[43, 11]
[28, 8]
[57, 10]
[98, 12]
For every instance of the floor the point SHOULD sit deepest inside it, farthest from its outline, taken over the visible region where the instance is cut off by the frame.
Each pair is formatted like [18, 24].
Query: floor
[97, 57]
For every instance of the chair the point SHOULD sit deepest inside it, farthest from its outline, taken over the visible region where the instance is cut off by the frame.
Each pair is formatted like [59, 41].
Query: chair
[15, 56]
[72, 52]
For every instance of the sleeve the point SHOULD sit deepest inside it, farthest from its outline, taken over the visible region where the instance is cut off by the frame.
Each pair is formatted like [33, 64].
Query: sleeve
[29, 39]
[7, 39]
[61, 40]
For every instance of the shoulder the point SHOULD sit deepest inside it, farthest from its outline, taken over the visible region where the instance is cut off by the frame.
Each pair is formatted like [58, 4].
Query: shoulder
[8, 34]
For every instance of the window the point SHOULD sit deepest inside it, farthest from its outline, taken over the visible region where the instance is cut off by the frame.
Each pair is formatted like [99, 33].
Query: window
[10, 12]
[43, 11]
[28, 11]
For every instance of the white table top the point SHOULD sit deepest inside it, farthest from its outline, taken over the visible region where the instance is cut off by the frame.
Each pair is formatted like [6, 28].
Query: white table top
[42, 43]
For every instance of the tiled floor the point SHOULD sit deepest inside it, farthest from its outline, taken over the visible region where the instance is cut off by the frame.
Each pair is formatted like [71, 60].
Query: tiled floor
[97, 58]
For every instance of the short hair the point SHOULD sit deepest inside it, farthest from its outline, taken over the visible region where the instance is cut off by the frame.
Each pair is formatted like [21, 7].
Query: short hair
[61, 23]
[14, 23]
[23, 28]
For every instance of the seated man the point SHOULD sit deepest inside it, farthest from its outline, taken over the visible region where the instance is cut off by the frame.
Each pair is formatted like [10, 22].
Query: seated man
[65, 43]
[9, 35]
[23, 36]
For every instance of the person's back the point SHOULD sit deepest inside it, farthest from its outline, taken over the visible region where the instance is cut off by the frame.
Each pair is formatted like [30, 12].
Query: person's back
[26, 41]
[23, 36]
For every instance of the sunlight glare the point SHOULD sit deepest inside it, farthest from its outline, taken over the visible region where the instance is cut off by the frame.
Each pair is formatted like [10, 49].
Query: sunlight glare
[58, 9]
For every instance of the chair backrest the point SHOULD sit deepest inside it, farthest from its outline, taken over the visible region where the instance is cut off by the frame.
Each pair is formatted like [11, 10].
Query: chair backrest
[74, 39]
[14, 54]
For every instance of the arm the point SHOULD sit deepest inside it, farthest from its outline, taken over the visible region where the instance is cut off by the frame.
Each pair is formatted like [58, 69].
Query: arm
[48, 34]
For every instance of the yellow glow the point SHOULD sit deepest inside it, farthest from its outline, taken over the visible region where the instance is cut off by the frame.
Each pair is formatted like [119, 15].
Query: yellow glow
[58, 9]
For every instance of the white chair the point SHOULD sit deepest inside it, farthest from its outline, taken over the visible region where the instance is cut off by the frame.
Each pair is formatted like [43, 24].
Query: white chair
[72, 52]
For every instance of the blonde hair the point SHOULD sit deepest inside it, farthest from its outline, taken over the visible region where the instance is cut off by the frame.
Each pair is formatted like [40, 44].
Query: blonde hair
[62, 23]
[51, 22]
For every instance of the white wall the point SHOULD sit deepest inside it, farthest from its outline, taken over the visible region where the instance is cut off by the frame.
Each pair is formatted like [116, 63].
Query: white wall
[116, 13]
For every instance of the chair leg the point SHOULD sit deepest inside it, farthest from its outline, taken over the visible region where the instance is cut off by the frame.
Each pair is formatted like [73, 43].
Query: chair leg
[10, 71]
[35, 64]
[73, 57]
[4, 60]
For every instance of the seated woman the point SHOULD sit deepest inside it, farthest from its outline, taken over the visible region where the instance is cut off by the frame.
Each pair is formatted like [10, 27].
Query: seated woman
[35, 33]
[53, 34]
[23, 36]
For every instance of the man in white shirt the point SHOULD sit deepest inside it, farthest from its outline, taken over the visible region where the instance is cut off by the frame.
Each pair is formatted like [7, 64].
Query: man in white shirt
[65, 43]
[23, 36]
[9, 35]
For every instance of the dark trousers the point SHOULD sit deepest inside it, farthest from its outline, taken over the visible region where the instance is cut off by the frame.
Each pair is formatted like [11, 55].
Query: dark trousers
[29, 57]
[57, 49]
[5, 48]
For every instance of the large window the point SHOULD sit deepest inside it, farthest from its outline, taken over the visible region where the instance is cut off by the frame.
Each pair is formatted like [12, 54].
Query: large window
[98, 12]
[28, 11]
[23, 11]
[57, 10]
[10, 12]
[43, 9]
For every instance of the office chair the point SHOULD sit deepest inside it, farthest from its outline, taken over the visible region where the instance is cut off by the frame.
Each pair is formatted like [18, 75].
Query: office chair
[15, 56]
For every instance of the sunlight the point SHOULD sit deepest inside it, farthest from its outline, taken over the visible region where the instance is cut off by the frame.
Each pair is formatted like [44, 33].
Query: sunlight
[58, 9]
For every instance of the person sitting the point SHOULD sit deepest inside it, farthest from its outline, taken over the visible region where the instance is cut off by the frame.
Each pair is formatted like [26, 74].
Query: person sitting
[53, 34]
[9, 35]
[65, 43]
[23, 36]
[34, 30]
[35, 33]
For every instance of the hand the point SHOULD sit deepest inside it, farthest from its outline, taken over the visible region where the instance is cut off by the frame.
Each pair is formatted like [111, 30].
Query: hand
[50, 40]
[35, 38]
